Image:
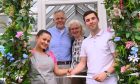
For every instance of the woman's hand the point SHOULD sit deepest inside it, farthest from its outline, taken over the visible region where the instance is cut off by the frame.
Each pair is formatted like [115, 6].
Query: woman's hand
[69, 72]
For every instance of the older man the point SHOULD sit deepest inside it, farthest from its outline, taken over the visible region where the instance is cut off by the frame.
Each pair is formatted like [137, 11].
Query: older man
[61, 43]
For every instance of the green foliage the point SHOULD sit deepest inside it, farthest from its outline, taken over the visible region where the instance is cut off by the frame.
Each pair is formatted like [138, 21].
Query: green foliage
[14, 47]
[124, 17]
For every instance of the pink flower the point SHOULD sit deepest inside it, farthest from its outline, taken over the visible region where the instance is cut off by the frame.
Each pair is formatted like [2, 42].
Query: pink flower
[123, 69]
[129, 44]
[110, 29]
[19, 34]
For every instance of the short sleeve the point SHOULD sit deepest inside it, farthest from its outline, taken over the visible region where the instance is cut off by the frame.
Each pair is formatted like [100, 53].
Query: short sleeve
[111, 44]
[52, 56]
[83, 50]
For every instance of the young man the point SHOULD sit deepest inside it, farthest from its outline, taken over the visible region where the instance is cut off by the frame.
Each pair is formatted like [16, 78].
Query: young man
[98, 52]
[60, 44]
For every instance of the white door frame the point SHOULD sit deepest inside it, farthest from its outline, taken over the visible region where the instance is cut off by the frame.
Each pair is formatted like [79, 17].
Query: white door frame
[43, 3]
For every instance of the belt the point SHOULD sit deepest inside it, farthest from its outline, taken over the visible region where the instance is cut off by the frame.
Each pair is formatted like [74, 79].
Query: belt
[63, 62]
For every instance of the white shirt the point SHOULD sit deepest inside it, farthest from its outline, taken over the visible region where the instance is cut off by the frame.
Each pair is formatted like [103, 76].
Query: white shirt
[98, 50]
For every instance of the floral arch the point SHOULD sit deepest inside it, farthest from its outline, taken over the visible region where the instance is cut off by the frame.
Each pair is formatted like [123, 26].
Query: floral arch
[14, 47]
[124, 18]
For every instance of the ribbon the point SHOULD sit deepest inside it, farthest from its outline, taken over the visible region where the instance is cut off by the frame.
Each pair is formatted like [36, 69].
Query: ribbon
[79, 76]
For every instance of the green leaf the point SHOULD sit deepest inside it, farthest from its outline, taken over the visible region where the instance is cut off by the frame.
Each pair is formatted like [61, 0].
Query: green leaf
[137, 37]
[131, 79]
[138, 25]
[138, 81]
[132, 1]
[19, 18]
[128, 35]
[25, 18]
[0, 55]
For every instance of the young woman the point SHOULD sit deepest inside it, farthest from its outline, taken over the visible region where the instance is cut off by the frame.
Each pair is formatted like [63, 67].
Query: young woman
[43, 63]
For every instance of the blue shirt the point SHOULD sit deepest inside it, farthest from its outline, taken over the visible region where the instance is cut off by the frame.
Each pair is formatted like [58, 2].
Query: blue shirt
[60, 44]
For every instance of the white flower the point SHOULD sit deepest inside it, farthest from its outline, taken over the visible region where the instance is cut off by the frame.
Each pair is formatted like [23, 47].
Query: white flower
[133, 58]
[135, 74]
[116, 13]
[19, 79]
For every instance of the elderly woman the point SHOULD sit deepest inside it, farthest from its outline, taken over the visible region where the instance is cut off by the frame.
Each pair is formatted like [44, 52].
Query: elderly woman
[76, 32]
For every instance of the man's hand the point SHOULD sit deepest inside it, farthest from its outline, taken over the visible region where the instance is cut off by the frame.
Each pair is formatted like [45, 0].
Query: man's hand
[100, 77]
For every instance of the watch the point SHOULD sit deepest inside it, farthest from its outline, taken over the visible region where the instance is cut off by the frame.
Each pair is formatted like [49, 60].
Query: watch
[107, 73]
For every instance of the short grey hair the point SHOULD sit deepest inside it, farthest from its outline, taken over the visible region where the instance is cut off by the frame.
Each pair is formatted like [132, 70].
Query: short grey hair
[59, 11]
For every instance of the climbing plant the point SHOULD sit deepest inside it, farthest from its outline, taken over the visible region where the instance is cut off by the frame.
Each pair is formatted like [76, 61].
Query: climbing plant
[124, 18]
[14, 42]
